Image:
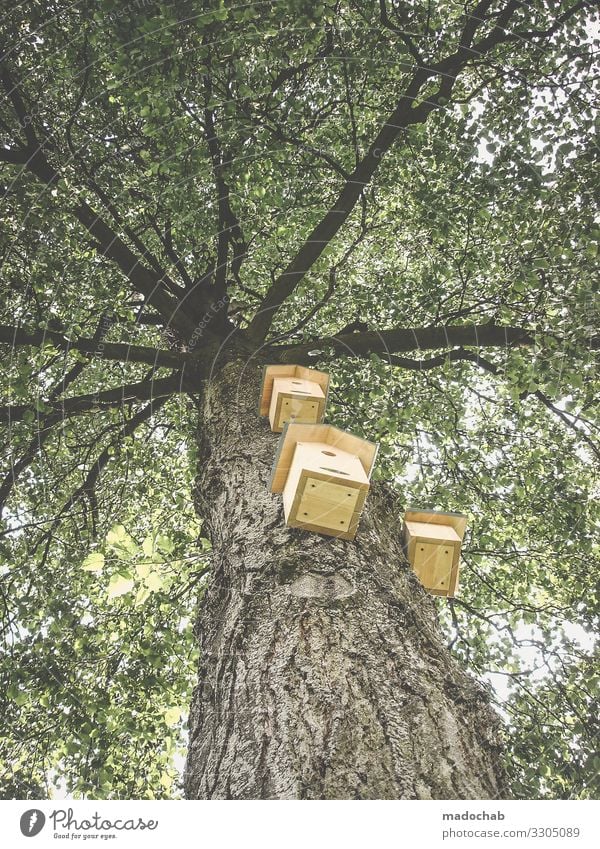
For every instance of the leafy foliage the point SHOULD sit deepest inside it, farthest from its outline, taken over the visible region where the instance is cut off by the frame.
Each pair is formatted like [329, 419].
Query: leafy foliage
[100, 656]
[206, 144]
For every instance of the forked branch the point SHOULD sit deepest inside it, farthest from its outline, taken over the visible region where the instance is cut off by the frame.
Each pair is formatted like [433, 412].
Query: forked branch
[404, 115]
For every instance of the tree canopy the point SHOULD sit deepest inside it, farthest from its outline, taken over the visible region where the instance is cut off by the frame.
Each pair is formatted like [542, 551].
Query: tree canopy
[401, 193]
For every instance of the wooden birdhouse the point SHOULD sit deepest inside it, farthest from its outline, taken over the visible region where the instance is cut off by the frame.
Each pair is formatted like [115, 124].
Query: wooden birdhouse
[293, 394]
[432, 543]
[323, 474]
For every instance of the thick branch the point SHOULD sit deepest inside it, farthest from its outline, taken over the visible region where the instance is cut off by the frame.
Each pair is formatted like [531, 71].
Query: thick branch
[403, 116]
[453, 356]
[145, 280]
[387, 342]
[337, 215]
[103, 350]
[64, 407]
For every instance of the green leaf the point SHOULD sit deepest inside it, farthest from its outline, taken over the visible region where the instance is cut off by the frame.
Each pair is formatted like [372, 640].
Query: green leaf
[154, 581]
[94, 562]
[142, 595]
[148, 546]
[143, 569]
[116, 535]
[119, 585]
[172, 716]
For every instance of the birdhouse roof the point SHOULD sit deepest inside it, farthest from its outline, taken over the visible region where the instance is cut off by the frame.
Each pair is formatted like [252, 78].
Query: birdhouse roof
[302, 372]
[293, 433]
[457, 521]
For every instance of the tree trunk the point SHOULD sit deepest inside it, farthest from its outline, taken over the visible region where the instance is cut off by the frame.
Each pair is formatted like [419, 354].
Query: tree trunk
[323, 673]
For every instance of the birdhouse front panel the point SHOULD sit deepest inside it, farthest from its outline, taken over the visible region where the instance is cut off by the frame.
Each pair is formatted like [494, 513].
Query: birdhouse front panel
[295, 400]
[433, 565]
[323, 474]
[433, 549]
[325, 490]
[336, 513]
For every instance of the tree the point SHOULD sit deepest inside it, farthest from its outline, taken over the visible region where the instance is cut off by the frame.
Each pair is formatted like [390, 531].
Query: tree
[400, 193]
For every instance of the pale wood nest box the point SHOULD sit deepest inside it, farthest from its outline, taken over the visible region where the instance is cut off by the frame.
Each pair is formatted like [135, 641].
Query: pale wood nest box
[324, 476]
[432, 541]
[293, 394]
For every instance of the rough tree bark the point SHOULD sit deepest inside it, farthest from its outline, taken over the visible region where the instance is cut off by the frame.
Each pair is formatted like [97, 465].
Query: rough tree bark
[323, 673]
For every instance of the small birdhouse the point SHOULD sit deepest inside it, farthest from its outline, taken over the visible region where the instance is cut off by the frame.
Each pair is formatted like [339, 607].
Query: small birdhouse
[323, 474]
[293, 394]
[432, 542]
